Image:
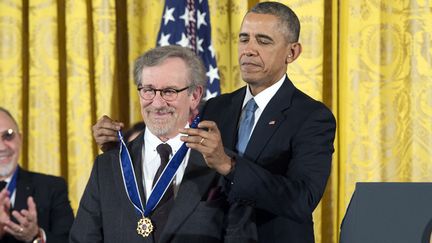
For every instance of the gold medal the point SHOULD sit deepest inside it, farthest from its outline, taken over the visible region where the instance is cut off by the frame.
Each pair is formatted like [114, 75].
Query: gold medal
[145, 227]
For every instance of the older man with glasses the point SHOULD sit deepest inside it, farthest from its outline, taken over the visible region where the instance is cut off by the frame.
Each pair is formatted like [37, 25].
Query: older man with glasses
[33, 207]
[161, 191]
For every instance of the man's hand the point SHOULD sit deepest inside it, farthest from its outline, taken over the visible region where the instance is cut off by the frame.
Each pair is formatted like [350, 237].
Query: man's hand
[105, 132]
[28, 228]
[4, 210]
[207, 140]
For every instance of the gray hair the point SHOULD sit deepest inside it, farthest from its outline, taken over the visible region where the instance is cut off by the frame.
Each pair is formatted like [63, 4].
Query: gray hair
[289, 22]
[4, 110]
[155, 56]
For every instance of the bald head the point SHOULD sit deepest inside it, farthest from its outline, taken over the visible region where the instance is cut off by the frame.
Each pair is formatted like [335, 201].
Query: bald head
[7, 113]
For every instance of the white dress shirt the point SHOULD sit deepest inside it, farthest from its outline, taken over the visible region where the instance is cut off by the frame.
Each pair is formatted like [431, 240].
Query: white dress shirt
[151, 160]
[262, 99]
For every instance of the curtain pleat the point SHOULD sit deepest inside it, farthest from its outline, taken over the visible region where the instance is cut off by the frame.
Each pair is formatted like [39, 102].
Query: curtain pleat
[81, 97]
[44, 101]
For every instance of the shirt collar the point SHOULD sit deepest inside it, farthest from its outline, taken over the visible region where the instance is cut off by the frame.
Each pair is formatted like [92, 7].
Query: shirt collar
[264, 97]
[153, 141]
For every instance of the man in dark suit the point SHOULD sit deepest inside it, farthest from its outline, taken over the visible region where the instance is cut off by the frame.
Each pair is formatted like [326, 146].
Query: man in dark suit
[282, 167]
[283, 170]
[33, 207]
[170, 81]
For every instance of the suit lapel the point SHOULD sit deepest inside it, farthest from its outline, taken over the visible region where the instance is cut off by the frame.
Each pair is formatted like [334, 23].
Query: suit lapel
[24, 189]
[229, 125]
[130, 217]
[195, 183]
[270, 120]
[136, 155]
[134, 149]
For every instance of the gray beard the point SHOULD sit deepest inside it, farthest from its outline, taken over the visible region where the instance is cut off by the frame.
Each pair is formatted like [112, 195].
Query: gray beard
[160, 130]
[7, 169]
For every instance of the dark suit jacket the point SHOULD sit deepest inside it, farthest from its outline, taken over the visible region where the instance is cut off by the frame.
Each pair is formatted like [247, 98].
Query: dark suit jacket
[106, 215]
[286, 164]
[50, 194]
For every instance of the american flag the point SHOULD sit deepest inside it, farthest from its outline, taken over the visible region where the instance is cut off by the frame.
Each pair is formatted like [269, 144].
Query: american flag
[187, 23]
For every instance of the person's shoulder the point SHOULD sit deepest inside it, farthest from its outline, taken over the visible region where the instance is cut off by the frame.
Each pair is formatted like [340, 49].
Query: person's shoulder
[304, 105]
[307, 101]
[227, 97]
[112, 156]
[110, 153]
[42, 178]
[104, 161]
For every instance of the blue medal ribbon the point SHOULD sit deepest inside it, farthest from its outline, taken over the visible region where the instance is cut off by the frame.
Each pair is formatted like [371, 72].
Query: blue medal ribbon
[129, 178]
[12, 184]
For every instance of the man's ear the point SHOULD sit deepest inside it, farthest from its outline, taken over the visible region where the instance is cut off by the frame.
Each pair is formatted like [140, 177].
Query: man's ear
[196, 97]
[294, 51]
[20, 137]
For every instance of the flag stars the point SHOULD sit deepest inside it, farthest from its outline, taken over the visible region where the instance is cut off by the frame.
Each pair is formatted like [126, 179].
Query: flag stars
[164, 39]
[184, 41]
[169, 15]
[209, 94]
[212, 51]
[199, 44]
[201, 19]
[187, 17]
[212, 73]
[190, 27]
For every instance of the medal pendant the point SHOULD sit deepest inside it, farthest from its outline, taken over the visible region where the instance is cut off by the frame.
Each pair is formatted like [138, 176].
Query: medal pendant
[145, 227]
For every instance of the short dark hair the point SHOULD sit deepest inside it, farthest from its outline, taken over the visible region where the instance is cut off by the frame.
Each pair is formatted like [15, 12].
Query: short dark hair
[156, 56]
[4, 110]
[289, 21]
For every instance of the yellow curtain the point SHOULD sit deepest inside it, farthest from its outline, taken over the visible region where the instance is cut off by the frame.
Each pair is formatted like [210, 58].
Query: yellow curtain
[64, 63]
[384, 93]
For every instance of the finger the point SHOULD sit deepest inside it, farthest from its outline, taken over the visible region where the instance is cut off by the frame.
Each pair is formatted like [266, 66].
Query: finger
[19, 217]
[109, 123]
[209, 125]
[205, 129]
[105, 133]
[194, 132]
[193, 139]
[4, 193]
[5, 205]
[199, 140]
[31, 205]
[32, 212]
[25, 222]
[106, 122]
[202, 148]
[12, 228]
[4, 214]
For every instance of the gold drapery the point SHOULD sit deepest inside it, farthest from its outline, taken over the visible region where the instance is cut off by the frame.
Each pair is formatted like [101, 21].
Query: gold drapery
[65, 63]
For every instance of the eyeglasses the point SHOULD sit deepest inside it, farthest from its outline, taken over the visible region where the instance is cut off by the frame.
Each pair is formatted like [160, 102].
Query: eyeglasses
[8, 135]
[168, 94]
